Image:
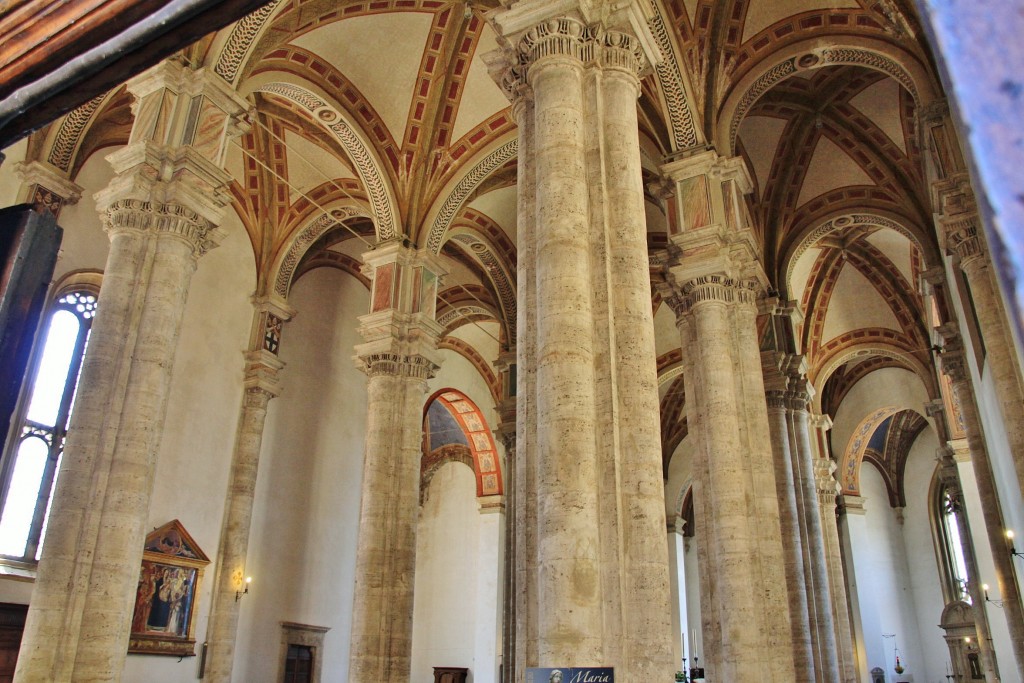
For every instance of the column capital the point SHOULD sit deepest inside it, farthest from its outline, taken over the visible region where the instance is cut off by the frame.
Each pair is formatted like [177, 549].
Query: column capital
[824, 478]
[852, 505]
[957, 217]
[171, 161]
[821, 422]
[400, 333]
[527, 24]
[44, 184]
[262, 370]
[271, 312]
[142, 216]
[935, 112]
[953, 359]
[612, 34]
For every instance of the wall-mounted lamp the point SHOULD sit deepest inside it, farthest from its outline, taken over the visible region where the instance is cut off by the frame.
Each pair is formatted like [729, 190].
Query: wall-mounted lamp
[1013, 550]
[239, 594]
[997, 603]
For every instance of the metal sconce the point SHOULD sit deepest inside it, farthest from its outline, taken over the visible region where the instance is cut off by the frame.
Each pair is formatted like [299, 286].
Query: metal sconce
[1013, 550]
[239, 594]
[997, 603]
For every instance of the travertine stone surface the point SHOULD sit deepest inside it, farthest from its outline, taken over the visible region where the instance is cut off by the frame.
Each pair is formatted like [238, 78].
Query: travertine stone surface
[399, 355]
[260, 385]
[590, 493]
[775, 394]
[715, 283]
[954, 364]
[828, 488]
[161, 211]
[819, 585]
[964, 237]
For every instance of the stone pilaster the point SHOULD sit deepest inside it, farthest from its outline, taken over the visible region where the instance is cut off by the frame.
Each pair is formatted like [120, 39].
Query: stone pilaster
[595, 587]
[716, 281]
[399, 354]
[506, 431]
[161, 211]
[954, 364]
[261, 384]
[827, 489]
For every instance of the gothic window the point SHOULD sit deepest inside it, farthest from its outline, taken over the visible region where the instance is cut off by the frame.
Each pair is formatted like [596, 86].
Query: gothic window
[32, 455]
[953, 567]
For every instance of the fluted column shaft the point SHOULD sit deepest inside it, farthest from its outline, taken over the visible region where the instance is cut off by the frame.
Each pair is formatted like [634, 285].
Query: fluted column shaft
[260, 385]
[954, 365]
[161, 212]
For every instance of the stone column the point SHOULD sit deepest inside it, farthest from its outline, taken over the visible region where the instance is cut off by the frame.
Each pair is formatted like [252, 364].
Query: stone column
[820, 593]
[827, 489]
[260, 385]
[161, 211]
[776, 384]
[954, 364]
[962, 227]
[589, 452]
[716, 281]
[399, 355]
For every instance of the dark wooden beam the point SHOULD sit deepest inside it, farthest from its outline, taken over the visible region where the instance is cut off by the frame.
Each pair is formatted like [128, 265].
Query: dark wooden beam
[38, 37]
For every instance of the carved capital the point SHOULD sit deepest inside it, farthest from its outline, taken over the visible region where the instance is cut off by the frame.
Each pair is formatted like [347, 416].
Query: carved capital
[962, 238]
[824, 478]
[557, 37]
[776, 399]
[174, 220]
[718, 288]
[46, 185]
[397, 365]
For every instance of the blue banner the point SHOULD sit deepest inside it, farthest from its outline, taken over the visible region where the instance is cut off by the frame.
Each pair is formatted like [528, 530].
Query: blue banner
[566, 674]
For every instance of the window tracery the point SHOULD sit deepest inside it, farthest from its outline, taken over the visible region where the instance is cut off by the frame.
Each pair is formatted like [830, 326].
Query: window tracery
[34, 448]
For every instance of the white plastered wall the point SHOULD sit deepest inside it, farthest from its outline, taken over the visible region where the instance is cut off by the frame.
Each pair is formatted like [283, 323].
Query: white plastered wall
[306, 515]
[444, 621]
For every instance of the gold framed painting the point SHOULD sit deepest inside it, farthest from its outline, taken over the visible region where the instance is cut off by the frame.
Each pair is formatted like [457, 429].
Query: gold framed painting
[164, 616]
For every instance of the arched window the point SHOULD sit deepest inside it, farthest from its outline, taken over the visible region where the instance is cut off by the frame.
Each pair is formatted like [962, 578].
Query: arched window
[33, 452]
[951, 553]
